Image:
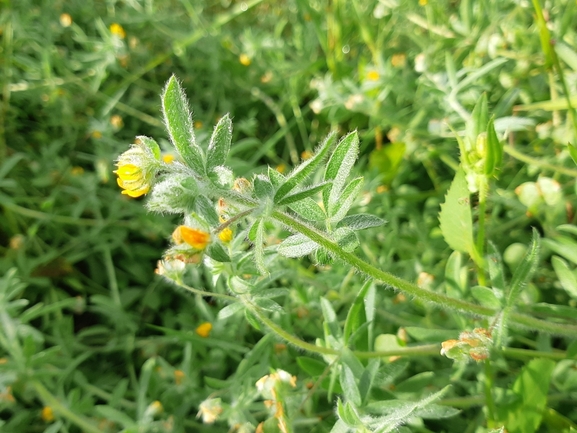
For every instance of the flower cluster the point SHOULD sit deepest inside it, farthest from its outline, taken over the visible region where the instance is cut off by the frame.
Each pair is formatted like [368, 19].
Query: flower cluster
[138, 166]
[470, 345]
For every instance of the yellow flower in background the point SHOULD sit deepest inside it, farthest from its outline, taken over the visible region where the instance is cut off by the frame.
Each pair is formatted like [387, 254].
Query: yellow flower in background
[203, 330]
[373, 75]
[179, 375]
[117, 30]
[168, 158]
[132, 180]
[197, 239]
[47, 414]
[423, 2]
[244, 60]
[65, 20]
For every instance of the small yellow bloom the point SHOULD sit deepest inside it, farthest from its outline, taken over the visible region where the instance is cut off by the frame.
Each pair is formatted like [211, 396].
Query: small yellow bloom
[244, 60]
[132, 180]
[117, 30]
[423, 2]
[281, 168]
[116, 121]
[168, 158]
[198, 124]
[96, 134]
[225, 235]
[210, 410]
[399, 60]
[373, 75]
[76, 171]
[47, 414]
[307, 154]
[178, 376]
[65, 20]
[203, 330]
[197, 239]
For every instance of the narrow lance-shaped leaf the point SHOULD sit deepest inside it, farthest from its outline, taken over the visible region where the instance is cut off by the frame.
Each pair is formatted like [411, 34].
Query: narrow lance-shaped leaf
[341, 206]
[219, 143]
[304, 170]
[494, 150]
[259, 248]
[339, 167]
[301, 195]
[455, 217]
[479, 117]
[178, 120]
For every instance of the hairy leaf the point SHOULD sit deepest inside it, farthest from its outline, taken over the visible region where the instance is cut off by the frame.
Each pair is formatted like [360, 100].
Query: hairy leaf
[219, 143]
[455, 217]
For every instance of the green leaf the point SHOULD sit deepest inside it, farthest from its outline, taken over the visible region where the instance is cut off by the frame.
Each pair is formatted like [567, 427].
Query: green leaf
[496, 271]
[531, 386]
[572, 152]
[308, 209]
[313, 367]
[524, 271]
[330, 319]
[348, 414]
[346, 238]
[340, 207]
[178, 120]
[566, 276]
[455, 217]
[206, 210]
[486, 297]
[216, 252]
[297, 246]
[304, 170]
[229, 310]
[219, 145]
[356, 314]
[349, 385]
[455, 281]
[259, 247]
[151, 144]
[479, 118]
[303, 194]
[115, 416]
[262, 187]
[564, 246]
[494, 150]
[268, 305]
[361, 221]
[368, 378]
[339, 167]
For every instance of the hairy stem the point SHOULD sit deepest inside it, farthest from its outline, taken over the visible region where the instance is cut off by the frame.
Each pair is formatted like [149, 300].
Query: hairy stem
[439, 299]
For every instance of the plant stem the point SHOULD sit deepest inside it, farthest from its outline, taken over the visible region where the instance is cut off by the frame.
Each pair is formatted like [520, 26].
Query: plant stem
[519, 320]
[480, 245]
[489, 402]
[50, 400]
[537, 162]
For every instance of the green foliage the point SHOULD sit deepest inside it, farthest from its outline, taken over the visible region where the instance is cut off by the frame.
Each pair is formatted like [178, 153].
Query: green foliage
[448, 98]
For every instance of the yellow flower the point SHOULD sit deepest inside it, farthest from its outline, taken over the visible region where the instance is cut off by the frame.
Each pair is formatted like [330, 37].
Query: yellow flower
[244, 60]
[178, 376]
[373, 75]
[117, 30]
[168, 158]
[203, 330]
[307, 154]
[47, 414]
[210, 410]
[65, 20]
[197, 239]
[137, 167]
[225, 235]
[132, 180]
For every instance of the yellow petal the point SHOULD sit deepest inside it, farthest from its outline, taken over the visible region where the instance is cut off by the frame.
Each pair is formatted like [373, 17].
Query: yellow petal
[195, 238]
[136, 192]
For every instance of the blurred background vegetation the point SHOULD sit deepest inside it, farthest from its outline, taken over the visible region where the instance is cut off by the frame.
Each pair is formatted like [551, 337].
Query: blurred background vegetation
[80, 307]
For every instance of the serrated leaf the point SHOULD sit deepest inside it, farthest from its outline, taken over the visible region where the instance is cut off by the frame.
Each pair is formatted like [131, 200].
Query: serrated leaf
[455, 216]
[262, 187]
[178, 120]
[297, 246]
[308, 209]
[349, 385]
[305, 169]
[524, 271]
[339, 167]
[219, 145]
[566, 276]
[339, 209]
[305, 193]
[229, 310]
[361, 221]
